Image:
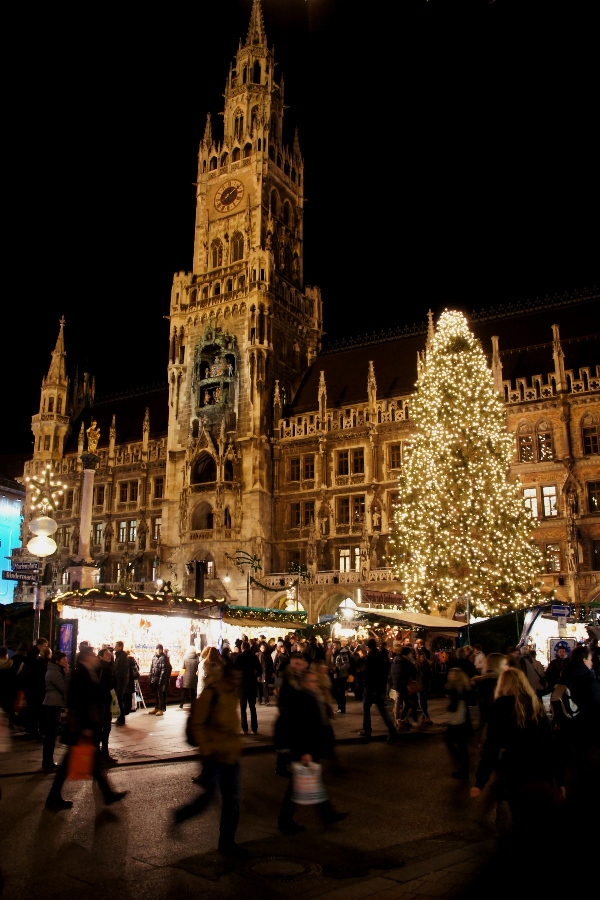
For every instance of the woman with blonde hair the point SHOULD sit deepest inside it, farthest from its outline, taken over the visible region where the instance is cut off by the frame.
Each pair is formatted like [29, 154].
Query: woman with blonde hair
[520, 749]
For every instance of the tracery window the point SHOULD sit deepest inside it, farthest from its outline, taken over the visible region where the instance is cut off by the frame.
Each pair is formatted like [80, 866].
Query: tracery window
[217, 254]
[535, 444]
[237, 246]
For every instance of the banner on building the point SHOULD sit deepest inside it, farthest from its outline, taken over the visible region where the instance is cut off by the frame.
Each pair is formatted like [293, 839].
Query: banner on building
[374, 598]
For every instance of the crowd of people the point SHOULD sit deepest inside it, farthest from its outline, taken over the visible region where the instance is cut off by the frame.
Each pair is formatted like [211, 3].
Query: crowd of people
[533, 747]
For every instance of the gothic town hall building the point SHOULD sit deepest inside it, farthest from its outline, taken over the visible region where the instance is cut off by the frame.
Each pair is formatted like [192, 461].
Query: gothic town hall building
[263, 442]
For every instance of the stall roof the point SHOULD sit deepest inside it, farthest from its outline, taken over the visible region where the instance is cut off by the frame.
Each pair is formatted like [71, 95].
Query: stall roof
[422, 620]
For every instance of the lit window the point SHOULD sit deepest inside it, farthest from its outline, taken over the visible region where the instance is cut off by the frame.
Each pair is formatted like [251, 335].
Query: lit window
[122, 531]
[549, 500]
[525, 448]
[343, 510]
[594, 496]
[530, 500]
[345, 559]
[552, 557]
[590, 440]
[545, 450]
[395, 456]
[132, 530]
[97, 531]
[343, 467]
[156, 523]
[358, 508]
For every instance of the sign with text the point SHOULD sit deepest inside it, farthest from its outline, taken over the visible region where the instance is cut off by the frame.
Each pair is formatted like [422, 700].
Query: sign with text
[28, 565]
[372, 598]
[31, 577]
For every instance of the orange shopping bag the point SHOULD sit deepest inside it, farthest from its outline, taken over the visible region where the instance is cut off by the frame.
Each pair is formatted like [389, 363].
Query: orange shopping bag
[81, 760]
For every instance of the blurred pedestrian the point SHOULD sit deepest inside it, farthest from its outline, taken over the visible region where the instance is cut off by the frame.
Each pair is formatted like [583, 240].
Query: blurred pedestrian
[304, 731]
[486, 683]
[215, 727]
[478, 658]
[167, 681]
[107, 683]
[33, 675]
[266, 664]
[341, 671]
[423, 678]
[520, 750]
[280, 663]
[8, 686]
[84, 720]
[121, 672]
[55, 700]
[458, 729]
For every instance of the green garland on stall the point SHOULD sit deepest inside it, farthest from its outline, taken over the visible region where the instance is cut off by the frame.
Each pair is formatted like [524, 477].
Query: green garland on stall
[266, 615]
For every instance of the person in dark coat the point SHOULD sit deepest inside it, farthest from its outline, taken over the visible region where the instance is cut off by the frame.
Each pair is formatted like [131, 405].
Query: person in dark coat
[583, 733]
[520, 749]
[266, 664]
[250, 671]
[55, 700]
[375, 676]
[486, 684]
[157, 679]
[424, 684]
[84, 719]
[189, 676]
[557, 666]
[107, 686]
[121, 670]
[304, 730]
[34, 685]
[404, 682]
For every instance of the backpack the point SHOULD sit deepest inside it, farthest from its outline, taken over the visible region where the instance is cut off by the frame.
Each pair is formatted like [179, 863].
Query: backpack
[342, 664]
[563, 705]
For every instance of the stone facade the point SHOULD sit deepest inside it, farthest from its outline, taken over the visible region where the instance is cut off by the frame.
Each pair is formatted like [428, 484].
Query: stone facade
[261, 442]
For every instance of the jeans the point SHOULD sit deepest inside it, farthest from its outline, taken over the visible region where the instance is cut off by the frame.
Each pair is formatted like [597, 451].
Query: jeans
[157, 688]
[248, 698]
[51, 716]
[106, 728]
[374, 697]
[227, 779]
[423, 703]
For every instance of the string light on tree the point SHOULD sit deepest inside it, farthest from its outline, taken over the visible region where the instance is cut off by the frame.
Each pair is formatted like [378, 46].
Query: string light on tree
[460, 527]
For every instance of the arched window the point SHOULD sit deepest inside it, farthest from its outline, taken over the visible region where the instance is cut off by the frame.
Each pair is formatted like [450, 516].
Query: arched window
[287, 214]
[228, 470]
[205, 292]
[236, 154]
[213, 163]
[205, 470]
[237, 246]
[217, 254]
[535, 444]
[259, 145]
[202, 517]
[226, 517]
[256, 73]
[224, 160]
[590, 435]
[241, 282]
[253, 120]
[545, 449]
[247, 150]
[217, 289]
[229, 285]
[193, 296]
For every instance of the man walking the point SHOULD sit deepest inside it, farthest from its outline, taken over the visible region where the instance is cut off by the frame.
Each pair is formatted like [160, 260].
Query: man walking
[121, 672]
[158, 672]
[250, 671]
[341, 670]
[376, 674]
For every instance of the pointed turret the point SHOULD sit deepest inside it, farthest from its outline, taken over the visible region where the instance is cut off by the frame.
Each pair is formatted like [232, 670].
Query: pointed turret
[256, 29]
[372, 388]
[207, 140]
[322, 397]
[57, 372]
[559, 360]
[296, 145]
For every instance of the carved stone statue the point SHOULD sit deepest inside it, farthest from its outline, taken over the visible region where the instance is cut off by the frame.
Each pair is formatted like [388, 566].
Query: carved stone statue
[93, 436]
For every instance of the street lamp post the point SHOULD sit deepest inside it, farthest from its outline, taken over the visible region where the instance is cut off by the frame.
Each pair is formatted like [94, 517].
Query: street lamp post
[242, 558]
[42, 527]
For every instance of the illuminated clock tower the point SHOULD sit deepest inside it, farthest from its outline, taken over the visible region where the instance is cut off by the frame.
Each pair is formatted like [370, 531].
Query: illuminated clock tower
[244, 327]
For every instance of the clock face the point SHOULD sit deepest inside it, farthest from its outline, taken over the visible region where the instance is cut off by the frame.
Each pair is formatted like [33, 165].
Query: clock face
[229, 195]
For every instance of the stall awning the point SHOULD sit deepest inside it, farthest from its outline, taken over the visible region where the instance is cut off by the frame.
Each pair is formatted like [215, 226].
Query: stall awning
[421, 620]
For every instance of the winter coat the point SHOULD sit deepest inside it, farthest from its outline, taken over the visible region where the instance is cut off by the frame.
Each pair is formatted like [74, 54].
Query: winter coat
[250, 668]
[376, 672]
[485, 688]
[423, 676]
[341, 663]
[555, 670]
[215, 721]
[520, 756]
[121, 666]
[85, 707]
[585, 691]
[303, 726]
[57, 684]
[168, 670]
[266, 664]
[158, 670]
[189, 675]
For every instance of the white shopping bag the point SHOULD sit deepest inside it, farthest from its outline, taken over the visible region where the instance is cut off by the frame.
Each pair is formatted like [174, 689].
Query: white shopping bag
[307, 784]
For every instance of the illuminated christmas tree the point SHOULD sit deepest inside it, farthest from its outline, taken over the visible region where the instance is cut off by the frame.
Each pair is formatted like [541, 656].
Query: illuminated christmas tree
[461, 527]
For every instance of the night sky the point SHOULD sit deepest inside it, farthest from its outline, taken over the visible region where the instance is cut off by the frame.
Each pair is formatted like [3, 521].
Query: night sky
[450, 151]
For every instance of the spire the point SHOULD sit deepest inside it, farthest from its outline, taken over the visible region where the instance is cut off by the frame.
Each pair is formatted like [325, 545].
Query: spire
[296, 145]
[322, 398]
[430, 329]
[207, 139]
[57, 372]
[256, 29]
[559, 360]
